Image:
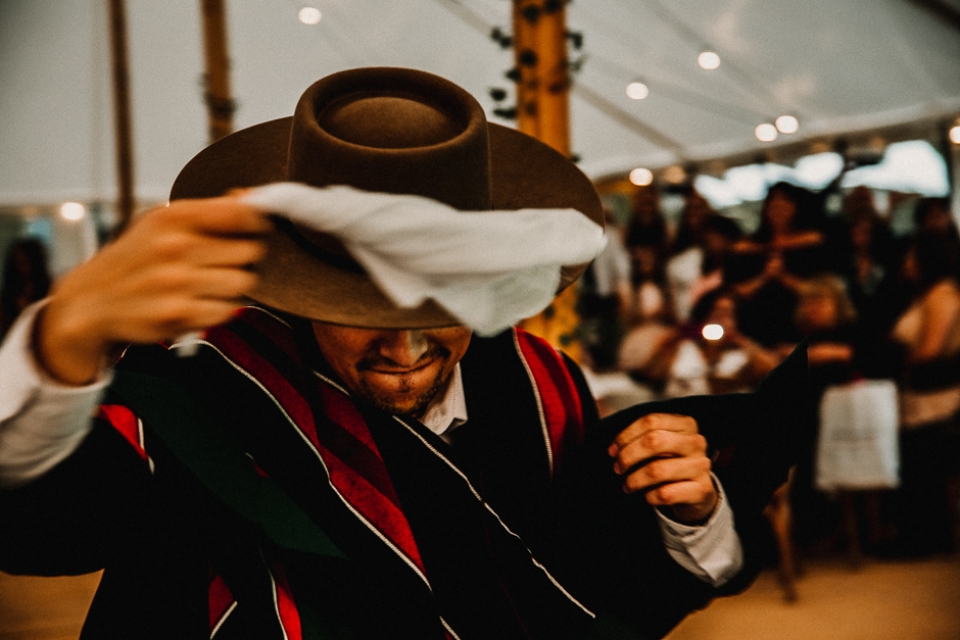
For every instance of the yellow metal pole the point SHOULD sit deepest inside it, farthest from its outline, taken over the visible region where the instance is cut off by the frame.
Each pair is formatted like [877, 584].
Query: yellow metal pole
[543, 111]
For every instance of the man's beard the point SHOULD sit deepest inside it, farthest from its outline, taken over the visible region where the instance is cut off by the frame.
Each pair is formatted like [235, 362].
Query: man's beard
[413, 406]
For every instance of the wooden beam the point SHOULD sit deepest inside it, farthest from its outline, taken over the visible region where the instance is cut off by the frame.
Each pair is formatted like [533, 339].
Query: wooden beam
[121, 112]
[220, 105]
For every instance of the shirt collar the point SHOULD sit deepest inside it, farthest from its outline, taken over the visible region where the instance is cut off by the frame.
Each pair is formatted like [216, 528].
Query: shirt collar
[448, 410]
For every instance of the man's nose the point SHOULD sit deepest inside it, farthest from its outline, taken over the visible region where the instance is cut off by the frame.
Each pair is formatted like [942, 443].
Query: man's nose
[404, 347]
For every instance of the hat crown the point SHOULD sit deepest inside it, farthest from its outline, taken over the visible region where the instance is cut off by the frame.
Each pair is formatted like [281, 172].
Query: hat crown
[393, 131]
[408, 124]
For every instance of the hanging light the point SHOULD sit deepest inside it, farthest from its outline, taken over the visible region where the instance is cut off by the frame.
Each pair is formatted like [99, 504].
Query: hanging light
[955, 134]
[72, 211]
[641, 176]
[309, 15]
[638, 90]
[712, 331]
[765, 132]
[787, 124]
[708, 59]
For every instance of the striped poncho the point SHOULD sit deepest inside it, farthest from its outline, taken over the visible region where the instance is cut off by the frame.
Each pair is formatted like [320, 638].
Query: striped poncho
[244, 493]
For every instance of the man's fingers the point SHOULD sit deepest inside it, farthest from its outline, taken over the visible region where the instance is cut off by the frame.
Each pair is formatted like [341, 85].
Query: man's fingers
[664, 471]
[664, 457]
[189, 250]
[226, 252]
[217, 216]
[689, 492]
[653, 422]
[186, 282]
[229, 285]
[659, 444]
[202, 314]
[167, 318]
[178, 268]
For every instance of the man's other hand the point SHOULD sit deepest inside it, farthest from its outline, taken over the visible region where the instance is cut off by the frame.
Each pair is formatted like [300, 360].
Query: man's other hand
[179, 268]
[664, 456]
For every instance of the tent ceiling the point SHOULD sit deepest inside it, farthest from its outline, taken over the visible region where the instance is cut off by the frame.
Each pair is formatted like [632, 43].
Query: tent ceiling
[850, 68]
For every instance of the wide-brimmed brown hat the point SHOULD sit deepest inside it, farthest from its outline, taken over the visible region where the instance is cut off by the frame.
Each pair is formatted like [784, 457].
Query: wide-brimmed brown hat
[389, 130]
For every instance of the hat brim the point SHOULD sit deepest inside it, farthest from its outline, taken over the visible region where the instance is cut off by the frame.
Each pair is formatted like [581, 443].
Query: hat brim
[525, 173]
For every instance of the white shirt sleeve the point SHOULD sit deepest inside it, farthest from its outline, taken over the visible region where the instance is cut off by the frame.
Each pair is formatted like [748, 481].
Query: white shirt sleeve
[712, 552]
[41, 421]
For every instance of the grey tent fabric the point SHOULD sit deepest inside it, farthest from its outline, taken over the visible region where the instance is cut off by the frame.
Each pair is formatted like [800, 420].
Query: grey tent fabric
[847, 67]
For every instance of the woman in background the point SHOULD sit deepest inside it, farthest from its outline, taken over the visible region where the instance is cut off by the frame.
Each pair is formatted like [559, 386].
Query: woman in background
[701, 268]
[605, 294]
[768, 268]
[929, 333]
[647, 226]
[932, 218]
[826, 318]
[712, 356]
[696, 211]
[647, 241]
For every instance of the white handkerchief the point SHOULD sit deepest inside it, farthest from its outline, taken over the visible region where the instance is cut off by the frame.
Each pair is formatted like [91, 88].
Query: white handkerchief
[489, 269]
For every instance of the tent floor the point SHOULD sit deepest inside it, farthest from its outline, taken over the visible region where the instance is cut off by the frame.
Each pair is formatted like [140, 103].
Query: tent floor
[879, 600]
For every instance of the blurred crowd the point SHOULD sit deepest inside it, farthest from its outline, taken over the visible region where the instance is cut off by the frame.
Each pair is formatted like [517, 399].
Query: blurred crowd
[703, 306]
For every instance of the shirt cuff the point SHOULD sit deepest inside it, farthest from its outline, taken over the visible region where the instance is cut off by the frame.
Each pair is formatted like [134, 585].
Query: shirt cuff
[41, 420]
[712, 552]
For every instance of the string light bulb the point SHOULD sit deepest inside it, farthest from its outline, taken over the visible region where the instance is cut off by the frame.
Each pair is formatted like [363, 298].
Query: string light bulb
[765, 132]
[638, 90]
[309, 15]
[787, 124]
[955, 134]
[641, 176]
[708, 60]
[712, 332]
[72, 211]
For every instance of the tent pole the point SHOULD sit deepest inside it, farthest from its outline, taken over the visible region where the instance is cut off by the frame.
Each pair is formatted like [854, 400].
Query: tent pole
[540, 53]
[121, 111]
[220, 105]
[543, 111]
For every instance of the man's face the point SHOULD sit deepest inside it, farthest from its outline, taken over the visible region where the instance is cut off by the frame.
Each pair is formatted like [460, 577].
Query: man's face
[399, 371]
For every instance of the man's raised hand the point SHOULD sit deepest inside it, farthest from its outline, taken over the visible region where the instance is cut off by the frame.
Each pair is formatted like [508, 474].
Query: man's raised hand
[179, 268]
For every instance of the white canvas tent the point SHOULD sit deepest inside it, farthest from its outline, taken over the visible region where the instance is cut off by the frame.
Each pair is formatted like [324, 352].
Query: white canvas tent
[845, 68]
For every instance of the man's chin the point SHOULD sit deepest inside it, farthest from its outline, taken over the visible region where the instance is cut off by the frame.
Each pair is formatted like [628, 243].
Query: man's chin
[408, 406]
[399, 398]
